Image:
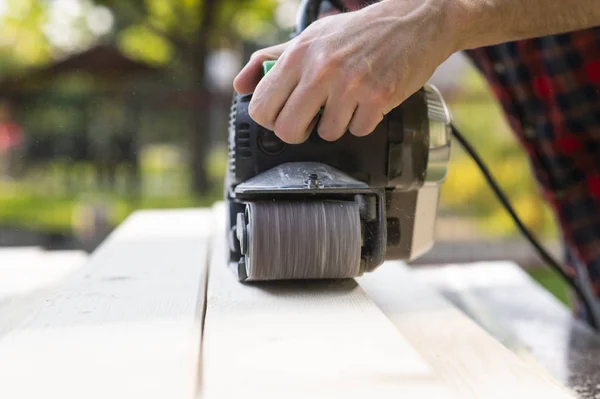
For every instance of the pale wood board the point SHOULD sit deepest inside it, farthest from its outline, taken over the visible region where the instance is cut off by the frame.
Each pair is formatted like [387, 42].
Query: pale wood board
[26, 277]
[303, 340]
[462, 353]
[129, 324]
[126, 325]
[14, 263]
[25, 270]
[524, 316]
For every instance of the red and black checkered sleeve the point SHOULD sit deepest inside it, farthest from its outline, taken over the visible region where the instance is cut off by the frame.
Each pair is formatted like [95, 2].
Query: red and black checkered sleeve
[550, 90]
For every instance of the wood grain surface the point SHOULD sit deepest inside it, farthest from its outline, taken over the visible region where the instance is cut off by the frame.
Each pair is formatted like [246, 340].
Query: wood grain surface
[156, 313]
[518, 311]
[26, 270]
[27, 275]
[463, 354]
[127, 325]
[304, 340]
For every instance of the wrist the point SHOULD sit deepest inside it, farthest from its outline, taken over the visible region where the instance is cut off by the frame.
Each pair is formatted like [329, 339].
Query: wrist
[455, 22]
[463, 22]
[471, 23]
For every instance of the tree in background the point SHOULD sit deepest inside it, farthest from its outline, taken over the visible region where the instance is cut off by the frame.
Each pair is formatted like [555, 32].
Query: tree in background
[182, 33]
[175, 34]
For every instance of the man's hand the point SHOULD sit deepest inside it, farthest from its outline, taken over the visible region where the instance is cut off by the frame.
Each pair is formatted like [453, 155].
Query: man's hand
[358, 66]
[362, 64]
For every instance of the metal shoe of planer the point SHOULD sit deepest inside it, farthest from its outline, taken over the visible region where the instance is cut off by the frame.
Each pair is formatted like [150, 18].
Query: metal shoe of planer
[326, 210]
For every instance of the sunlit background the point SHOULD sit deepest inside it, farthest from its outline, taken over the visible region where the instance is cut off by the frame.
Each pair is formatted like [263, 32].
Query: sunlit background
[109, 106]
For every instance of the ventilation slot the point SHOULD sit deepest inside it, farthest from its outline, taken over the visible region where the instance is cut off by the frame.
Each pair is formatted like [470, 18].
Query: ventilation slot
[243, 144]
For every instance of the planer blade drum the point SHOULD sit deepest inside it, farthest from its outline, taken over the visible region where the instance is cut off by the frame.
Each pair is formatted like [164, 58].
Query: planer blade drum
[301, 240]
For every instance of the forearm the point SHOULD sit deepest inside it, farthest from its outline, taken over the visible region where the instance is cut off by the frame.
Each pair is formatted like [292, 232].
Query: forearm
[486, 22]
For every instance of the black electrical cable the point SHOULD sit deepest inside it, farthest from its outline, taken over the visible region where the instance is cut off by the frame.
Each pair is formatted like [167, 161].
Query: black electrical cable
[546, 257]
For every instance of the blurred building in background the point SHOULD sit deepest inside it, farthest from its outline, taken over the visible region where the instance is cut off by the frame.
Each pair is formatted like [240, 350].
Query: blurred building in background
[111, 106]
[108, 106]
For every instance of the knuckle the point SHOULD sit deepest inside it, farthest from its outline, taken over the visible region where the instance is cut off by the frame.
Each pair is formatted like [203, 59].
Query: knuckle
[278, 128]
[328, 61]
[355, 80]
[257, 115]
[329, 129]
[325, 131]
[253, 112]
[285, 134]
[257, 55]
[380, 97]
[364, 127]
[379, 100]
[296, 136]
[299, 44]
[359, 129]
[325, 68]
[293, 56]
[329, 134]
[302, 44]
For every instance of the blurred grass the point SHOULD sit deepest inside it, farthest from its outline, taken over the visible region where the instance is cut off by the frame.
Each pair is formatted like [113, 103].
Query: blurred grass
[551, 282]
[42, 202]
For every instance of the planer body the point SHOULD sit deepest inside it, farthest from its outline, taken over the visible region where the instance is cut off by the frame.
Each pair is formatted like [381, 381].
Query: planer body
[320, 209]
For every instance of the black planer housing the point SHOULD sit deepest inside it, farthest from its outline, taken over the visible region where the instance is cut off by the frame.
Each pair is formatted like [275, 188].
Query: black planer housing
[394, 174]
[389, 178]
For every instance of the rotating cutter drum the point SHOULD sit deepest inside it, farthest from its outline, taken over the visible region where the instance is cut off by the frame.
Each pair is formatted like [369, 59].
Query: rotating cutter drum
[301, 240]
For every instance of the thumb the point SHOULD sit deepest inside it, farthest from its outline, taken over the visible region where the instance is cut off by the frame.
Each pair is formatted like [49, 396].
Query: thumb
[248, 78]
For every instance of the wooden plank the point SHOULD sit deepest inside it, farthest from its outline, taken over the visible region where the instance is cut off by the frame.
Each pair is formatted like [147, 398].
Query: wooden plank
[304, 340]
[461, 352]
[25, 270]
[525, 317]
[13, 261]
[26, 276]
[127, 325]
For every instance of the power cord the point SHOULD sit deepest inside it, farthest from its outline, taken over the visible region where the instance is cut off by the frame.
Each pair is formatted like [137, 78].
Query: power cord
[543, 253]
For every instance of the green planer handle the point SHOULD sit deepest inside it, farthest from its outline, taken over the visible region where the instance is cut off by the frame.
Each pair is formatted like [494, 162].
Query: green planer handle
[268, 65]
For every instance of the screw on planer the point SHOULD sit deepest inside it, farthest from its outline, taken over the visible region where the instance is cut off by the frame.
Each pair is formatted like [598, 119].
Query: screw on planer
[313, 181]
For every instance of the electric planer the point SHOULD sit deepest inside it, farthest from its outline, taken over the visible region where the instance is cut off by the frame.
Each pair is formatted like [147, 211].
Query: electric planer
[330, 210]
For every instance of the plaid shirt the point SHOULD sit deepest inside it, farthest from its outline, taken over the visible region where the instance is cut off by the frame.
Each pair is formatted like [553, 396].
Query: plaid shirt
[549, 89]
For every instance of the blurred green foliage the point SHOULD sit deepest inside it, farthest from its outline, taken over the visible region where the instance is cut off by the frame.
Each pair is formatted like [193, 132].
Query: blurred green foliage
[32, 32]
[160, 32]
[552, 282]
[22, 40]
[155, 31]
[41, 201]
